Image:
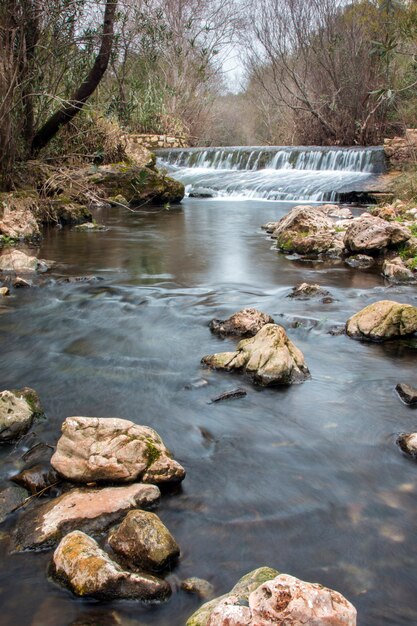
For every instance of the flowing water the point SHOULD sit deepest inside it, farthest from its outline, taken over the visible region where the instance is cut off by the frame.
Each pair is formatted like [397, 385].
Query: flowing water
[275, 173]
[306, 479]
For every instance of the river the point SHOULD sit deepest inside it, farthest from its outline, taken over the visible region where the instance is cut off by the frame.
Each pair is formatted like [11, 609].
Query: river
[305, 479]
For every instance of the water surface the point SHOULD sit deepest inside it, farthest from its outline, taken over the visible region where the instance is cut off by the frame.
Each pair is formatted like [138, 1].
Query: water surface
[305, 479]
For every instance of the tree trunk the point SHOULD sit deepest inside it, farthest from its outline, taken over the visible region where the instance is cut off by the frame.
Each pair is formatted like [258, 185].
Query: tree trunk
[68, 111]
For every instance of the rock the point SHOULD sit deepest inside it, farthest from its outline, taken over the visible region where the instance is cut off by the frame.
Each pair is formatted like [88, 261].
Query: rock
[285, 600]
[17, 216]
[200, 587]
[383, 320]
[18, 409]
[244, 323]
[230, 395]
[408, 444]
[11, 497]
[90, 510]
[138, 184]
[87, 570]
[144, 541]
[269, 357]
[241, 591]
[90, 227]
[407, 394]
[306, 230]
[197, 383]
[395, 271]
[334, 210]
[4, 291]
[306, 291]
[113, 449]
[36, 478]
[360, 261]
[80, 279]
[17, 261]
[373, 233]
[19, 283]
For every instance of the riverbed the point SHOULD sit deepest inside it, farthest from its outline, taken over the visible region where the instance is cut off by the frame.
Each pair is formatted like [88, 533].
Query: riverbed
[305, 479]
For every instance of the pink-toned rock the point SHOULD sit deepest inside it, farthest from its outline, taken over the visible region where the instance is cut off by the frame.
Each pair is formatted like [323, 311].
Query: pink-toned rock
[17, 218]
[395, 271]
[280, 601]
[87, 570]
[244, 323]
[269, 357]
[17, 261]
[287, 600]
[87, 509]
[113, 449]
[370, 233]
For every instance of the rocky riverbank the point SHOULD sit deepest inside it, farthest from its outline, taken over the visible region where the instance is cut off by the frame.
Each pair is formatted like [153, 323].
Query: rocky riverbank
[48, 195]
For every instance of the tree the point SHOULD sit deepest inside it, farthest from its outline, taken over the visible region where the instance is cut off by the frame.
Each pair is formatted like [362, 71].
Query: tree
[69, 109]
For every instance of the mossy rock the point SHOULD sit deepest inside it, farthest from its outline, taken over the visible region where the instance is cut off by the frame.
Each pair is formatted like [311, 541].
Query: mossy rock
[242, 589]
[138, 185]
[63, 210]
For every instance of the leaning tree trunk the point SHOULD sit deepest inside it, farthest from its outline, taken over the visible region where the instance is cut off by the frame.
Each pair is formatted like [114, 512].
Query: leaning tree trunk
[66, 113]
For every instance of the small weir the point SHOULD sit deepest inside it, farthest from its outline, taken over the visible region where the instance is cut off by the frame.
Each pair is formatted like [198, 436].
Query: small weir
[275, 173]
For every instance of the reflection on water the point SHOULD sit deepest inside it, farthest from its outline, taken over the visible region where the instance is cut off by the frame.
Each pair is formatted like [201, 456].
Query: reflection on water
[305, 479]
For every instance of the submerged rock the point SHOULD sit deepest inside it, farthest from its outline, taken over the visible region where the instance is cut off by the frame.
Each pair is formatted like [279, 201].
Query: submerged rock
[144, 541]
[18, 409]
[200, 587]
[244, 323]
[369, 233]
[17, 261]
[408, 444]
[407, 394]
[230, 395]
[282, 601]
[91, 510]
[113, 449]
[11, 498]
[269, 357]
[383, 320]
[395, 271]
[360, 261]
[36, 478]
[306, 291]
[90, 227]
[87, 570]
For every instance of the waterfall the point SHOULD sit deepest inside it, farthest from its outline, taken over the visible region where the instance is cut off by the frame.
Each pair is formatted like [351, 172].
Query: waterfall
[274, 173]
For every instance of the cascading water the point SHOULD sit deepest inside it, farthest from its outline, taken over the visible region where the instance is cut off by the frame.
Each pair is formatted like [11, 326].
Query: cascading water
[275, 173]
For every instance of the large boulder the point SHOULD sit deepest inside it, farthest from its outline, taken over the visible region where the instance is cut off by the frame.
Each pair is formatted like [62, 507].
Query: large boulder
[91, 510]
[369, 234]
[244, 323]
[17, 261]
[307, 230]
[269, 357]
[282, 601]
[87, 570]
[138, 184]
[144, 541]
[18, 409]
[241, 591]
[407, 393]
[383, 320]
[113, 449]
